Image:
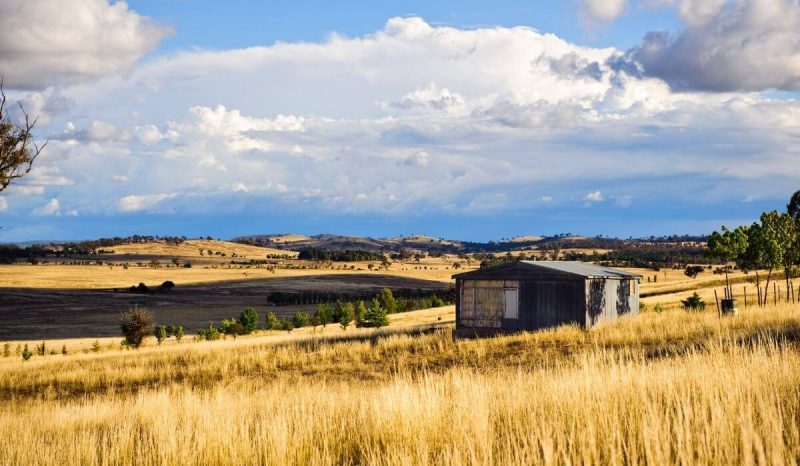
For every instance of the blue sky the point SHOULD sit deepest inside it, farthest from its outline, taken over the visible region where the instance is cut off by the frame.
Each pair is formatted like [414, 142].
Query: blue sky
[453, 118]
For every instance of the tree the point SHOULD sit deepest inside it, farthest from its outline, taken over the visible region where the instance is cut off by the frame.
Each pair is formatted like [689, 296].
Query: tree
[360, 311]
[136, 324]
[161, 333]
[346, 315]
[728, 245]
[249, 320]
[375, 316]
[18, 148]
[694, 303]
[299, 320]
[323, 314]
[273, 323]
[793, 208]
[773, 237]
[692, 271]
[387, 301]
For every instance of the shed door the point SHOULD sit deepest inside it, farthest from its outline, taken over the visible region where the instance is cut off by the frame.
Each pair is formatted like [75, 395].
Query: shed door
[512, 302]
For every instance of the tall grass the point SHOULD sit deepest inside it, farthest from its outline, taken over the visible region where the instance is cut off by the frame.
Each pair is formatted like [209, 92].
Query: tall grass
[663, 388]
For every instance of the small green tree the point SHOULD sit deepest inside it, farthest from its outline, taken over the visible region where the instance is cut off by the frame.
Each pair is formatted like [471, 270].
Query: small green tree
[249, 320]
[375, 316]
[161, 333]
[694, 303]
[360, 311]
[346, 315]
[178, 333]
[323, 314]
[26, 353]
[300, 319]
[727, 246]
[272, 322]
[387, 301]
[286, 324]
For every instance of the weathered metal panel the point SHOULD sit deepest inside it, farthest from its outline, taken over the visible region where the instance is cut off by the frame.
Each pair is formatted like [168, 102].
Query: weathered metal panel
[551, 303]
[607, 299]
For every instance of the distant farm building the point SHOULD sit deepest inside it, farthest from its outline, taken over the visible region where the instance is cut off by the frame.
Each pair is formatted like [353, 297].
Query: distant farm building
[531, 295]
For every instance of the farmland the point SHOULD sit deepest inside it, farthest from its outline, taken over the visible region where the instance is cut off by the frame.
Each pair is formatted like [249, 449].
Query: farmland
[635, 388]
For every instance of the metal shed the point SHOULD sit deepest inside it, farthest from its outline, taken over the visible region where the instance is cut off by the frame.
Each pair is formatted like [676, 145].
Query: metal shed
[531, 295]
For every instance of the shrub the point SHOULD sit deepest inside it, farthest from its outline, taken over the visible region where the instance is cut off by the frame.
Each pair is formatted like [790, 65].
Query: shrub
[166, 286]
[692, 271]
[694, 303]
[210, 333]
[375, 316]
[41, 350]
[299, 320]
[136, 324]
[658, 308]
[248, 320]
[436, 301]
[26, 353]
[161, 333]
[286, 324]
[64, 350]
[273, 323]
[6, 350]
[387, 301]
[235, 328]
[142, 288]
[96, 346]
[178, 332]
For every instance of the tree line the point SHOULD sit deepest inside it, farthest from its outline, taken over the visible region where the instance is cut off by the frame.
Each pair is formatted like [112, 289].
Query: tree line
[772, 243]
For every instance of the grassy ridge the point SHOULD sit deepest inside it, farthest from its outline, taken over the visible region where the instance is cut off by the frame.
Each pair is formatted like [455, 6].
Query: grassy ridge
[662, 388]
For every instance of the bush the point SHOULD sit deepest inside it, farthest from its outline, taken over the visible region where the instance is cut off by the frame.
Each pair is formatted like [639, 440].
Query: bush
[167, 285]
[694, 303]
[375, 316]
[6, 350]
[178, 332]
[210, 333]
[96, 346]
[286, 324]
[64, 350]
[161, 333]
[136, 324]
[273, 323]
[26, 353]
[248, 320]
[299, 320]
[658, 308]
[436, 301]
[235, 328]
[692, 271]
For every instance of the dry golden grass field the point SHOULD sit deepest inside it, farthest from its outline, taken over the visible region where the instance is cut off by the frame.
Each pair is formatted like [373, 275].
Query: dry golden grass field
[661, 388]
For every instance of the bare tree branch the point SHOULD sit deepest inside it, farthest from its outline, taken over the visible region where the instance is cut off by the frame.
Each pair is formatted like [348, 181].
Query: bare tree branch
[18, 149]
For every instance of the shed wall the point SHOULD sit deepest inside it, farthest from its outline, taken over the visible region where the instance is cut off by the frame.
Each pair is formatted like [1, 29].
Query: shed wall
[549, 303]
[607, 299]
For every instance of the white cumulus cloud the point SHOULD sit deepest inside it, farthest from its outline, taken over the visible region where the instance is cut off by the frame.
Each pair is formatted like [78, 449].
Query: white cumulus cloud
[46, 42]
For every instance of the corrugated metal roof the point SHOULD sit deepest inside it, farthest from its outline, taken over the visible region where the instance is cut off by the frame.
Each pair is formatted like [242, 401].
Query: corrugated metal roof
[584, 269]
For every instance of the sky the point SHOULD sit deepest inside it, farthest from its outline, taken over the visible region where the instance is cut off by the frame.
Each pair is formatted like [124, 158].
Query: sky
[461, 119]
